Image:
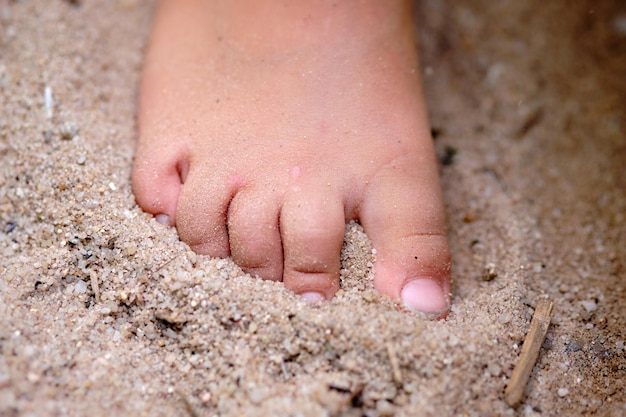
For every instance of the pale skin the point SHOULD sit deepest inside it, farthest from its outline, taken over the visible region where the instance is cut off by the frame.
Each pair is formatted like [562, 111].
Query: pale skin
[265, 126]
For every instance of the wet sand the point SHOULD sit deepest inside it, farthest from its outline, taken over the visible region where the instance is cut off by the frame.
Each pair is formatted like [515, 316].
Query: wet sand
[104, 312]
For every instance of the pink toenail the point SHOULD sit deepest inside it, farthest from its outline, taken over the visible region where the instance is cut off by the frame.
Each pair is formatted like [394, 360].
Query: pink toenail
[424, 295]
[163, 219]
[312, 297]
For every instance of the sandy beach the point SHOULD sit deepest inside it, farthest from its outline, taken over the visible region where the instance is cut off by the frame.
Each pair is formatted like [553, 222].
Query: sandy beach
[103, 311]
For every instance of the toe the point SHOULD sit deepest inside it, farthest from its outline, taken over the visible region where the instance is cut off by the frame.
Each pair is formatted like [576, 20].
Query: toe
[201, 214]
[156, 180]
[403, 216]
[254, 236]
[312, 230]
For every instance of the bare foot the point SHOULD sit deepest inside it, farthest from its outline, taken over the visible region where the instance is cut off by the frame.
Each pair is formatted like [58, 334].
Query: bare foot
[265, 126]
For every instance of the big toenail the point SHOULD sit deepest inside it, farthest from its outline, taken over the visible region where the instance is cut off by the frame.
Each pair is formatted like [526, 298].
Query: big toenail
[312, 297]
[163, 219]
[424, 295]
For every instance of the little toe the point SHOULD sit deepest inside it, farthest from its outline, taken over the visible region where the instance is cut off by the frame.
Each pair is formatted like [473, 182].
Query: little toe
[254, 236]
[156, 182]
[404, 217]
[312, 230]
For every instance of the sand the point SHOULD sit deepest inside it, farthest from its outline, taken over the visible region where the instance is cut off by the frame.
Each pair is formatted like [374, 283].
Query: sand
[104, 312]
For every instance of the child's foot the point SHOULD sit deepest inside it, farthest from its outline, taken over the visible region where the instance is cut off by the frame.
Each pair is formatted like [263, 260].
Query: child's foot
[265, 126]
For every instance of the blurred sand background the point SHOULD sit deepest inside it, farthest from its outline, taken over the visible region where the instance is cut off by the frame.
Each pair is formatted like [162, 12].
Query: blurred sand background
[104, 312]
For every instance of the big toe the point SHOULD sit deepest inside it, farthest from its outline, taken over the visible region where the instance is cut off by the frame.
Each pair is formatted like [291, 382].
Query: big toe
[403, 216]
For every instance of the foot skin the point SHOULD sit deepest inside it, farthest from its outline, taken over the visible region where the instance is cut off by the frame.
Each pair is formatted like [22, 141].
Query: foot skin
[264, 127]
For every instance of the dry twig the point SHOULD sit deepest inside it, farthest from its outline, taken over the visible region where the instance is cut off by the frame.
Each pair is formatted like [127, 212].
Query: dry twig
[395, 365]
[530, 351]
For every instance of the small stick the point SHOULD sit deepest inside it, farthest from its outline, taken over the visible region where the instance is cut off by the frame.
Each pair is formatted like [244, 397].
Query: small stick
[530, 351]
[395, 365]
[94, 285]
[164, 264]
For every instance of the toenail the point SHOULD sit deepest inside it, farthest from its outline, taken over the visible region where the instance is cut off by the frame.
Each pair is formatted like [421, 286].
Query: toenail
[424, 295]
[312, 297]
[163, 219]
